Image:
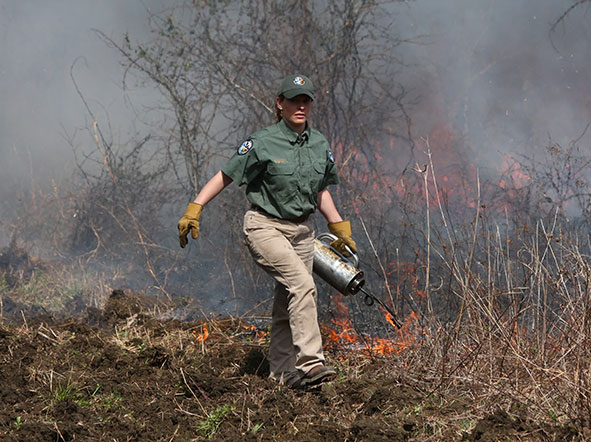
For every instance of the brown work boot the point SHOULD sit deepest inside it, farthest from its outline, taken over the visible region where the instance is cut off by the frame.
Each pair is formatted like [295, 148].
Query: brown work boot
[316, 376]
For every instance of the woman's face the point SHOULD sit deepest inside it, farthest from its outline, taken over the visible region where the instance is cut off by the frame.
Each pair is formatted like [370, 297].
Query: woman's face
[295, 111]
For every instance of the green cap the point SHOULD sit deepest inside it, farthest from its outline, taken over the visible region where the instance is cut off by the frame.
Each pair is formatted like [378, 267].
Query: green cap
[294, 85]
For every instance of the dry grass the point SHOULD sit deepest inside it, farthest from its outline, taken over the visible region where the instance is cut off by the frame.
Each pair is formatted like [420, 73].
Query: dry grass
[208, 378]
[520, 339]
[513, 350]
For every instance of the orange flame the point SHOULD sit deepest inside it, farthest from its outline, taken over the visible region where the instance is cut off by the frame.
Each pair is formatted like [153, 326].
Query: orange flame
[201, 337]
[514, 173]
[390, 319]
[343, 334]
[259, 335]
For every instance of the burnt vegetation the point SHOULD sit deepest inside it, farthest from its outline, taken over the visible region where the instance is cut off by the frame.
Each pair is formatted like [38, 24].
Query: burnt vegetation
[118, 333]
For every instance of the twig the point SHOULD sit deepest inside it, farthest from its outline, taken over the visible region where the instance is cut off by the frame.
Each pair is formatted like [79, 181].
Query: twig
[106, 161]
[174, 434]
[25, 320]
[229, 270]
[192, 392]
[425, 174]
[47, 337]
[58, 431]
[379, 261]
[182, 410]
[264, 301]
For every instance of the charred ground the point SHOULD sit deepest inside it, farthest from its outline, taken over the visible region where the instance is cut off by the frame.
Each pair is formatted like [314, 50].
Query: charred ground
[125, 372]
[121, 374]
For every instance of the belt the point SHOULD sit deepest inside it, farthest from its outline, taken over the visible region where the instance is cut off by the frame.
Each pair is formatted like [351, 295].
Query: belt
[297, 220]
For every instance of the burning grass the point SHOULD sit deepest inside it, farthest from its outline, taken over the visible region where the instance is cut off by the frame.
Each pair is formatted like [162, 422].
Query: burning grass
[134, 376]
[123, 373]
[512, 363]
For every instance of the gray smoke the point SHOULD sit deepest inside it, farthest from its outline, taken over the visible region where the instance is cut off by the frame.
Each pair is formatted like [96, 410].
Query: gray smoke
[496, 73]
[489, 71]
[39, 43]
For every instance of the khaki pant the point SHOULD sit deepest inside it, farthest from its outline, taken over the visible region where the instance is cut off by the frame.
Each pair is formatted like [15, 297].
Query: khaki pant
[285, 250]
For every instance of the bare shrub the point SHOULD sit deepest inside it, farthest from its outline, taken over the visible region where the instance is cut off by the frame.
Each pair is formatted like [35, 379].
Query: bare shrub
[561, 180]
[217, 67]
[503, 301]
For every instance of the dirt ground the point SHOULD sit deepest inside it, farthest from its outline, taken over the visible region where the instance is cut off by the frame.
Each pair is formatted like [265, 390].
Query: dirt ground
[124, 374]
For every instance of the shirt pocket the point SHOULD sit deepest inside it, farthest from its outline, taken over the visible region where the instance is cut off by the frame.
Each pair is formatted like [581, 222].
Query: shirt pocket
[281, 180]
[318, 182]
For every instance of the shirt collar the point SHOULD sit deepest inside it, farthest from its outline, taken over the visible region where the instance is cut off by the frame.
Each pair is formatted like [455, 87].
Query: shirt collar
[292, 136]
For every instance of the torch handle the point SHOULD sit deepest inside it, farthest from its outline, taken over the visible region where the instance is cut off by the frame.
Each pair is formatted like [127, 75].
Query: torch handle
[327, 238]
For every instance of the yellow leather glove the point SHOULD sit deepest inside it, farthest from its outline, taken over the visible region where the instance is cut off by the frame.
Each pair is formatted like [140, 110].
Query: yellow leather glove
[189, 222]
[342, 230]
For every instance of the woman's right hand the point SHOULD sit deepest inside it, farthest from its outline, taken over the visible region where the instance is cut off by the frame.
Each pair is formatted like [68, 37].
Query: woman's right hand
[189, 223]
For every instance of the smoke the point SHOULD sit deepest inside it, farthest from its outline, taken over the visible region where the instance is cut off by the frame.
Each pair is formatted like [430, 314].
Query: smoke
[490, 71]
[498, 75]
[39, 42]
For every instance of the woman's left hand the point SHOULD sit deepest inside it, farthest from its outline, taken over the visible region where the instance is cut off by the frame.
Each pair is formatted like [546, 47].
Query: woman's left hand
[342, 230]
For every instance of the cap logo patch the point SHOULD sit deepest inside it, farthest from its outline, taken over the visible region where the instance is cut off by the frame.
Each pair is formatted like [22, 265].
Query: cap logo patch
[299, 81]
[245, 147]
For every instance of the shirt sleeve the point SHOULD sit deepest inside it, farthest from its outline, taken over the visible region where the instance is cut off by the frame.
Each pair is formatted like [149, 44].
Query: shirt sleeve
[330, 176]
[244, 166]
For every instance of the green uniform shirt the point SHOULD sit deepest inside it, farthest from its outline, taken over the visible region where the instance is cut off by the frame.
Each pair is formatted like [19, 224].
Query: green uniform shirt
[283, 171]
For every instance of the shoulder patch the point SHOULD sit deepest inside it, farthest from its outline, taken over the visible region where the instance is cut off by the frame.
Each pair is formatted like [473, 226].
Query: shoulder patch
[245, 147]
[330, 157]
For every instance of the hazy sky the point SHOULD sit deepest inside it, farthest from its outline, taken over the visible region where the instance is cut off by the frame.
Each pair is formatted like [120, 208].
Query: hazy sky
[494, 71]
[39, 43]
[486, 68]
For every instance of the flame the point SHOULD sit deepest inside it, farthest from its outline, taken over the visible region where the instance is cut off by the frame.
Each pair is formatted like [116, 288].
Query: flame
[201, 337]
[390, 319]
[343, 331]
[261, 335]
[258, 335]
[343, 334]
[513, 171]
[202, 332]
[447, 178]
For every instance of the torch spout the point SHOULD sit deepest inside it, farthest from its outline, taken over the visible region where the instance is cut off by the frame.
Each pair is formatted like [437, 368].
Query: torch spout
[370, 299]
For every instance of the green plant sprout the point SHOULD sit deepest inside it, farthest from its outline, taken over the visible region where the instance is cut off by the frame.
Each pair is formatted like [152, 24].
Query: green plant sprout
[210, 426]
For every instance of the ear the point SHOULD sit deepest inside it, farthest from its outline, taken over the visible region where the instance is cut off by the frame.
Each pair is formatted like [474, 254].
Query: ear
[278, 101]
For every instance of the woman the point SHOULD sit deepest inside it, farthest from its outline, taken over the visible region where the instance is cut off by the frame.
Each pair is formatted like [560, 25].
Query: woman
[286, 169]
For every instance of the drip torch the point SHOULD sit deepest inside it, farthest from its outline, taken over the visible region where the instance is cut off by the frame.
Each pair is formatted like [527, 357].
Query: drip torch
[342, 272]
